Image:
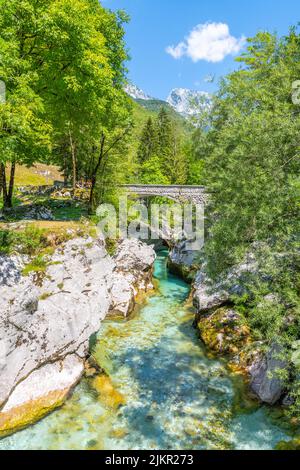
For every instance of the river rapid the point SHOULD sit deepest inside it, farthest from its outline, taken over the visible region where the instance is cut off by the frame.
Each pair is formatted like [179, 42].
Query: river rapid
[163, 391]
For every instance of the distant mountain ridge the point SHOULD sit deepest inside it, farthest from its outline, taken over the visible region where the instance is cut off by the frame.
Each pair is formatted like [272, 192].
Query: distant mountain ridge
[185, 102]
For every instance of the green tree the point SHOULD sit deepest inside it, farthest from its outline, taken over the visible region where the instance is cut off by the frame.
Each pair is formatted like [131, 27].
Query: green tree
[165, 135]
[24, 128]
[91, 83]
[148, 145]
[253, 166]
[161, 144]
[177, 163]
[63, 61]
[170, 149]
[151, 172]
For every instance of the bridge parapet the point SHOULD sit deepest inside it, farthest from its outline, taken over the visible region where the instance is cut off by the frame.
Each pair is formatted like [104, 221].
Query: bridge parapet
[178, 193]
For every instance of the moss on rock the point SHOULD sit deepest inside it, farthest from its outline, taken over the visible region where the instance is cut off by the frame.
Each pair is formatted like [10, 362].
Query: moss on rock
[224, 331]
[107, 392]
[28, 413]
[187, 273]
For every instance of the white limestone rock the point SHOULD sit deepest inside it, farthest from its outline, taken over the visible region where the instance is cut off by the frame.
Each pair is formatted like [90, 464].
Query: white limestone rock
[45, 324]
[39, 213]
[210, 295]
[59, 376]
[134, 256]
[182, 255]
[122, 295]
[132, 273]
[183, 260]
[10, 269]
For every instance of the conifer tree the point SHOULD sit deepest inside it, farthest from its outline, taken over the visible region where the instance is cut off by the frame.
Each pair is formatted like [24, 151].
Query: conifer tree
[165, 135]
[148, 143]
[173, 160]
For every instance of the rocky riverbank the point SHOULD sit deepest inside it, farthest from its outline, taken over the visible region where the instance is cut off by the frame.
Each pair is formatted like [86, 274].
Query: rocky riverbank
[225, 330]
[183, 261]
[48, 318]
[222, 320]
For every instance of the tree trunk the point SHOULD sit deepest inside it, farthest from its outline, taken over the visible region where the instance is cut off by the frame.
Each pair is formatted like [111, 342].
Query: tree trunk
[74, 166]
[65, 170]
[1, 181]
[11, 184]
[102, 154]
[91, 199]
[94, 175]
[4, 187]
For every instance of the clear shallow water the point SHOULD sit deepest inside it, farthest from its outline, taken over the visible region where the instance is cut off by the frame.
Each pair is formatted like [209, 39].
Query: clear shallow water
[175, 396]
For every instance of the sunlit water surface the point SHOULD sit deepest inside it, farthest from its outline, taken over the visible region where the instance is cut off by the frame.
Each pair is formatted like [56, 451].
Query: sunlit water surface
[176, 397]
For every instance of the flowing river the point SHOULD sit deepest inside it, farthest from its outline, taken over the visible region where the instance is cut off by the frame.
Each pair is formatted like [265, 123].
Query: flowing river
[163, 391]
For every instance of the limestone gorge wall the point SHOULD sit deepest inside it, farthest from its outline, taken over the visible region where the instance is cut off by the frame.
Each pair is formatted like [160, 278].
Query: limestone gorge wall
[225, 331]
[223, 328]
[46, 322]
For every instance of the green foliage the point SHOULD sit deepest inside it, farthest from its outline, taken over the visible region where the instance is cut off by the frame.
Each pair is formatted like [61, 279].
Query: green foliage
[94, 121]
[63, 65]
[155, 105]
[111, 246]
[69, 210]
[16, 202]
[28, 241]
[250, 153]
[37, 265]
[148, 143]
[152, 172]
[5, 241]
[24, 129]
[161, 153]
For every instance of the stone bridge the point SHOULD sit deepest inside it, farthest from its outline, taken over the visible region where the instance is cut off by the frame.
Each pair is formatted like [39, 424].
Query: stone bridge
[181, 194]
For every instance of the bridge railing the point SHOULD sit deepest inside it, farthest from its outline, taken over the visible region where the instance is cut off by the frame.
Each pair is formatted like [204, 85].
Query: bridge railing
[163, 186]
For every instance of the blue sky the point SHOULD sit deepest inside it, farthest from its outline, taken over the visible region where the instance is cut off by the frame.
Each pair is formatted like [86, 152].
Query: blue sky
[202, 35]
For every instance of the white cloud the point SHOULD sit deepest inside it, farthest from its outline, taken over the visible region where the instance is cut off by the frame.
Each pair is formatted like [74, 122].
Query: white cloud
[210, 41]
[177, 51]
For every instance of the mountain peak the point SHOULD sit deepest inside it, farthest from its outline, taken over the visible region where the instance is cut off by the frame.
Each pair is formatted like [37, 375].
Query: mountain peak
[189, 102]
[136, 93]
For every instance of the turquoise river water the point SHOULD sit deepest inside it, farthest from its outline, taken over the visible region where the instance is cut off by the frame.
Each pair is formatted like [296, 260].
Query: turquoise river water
[174, 395]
